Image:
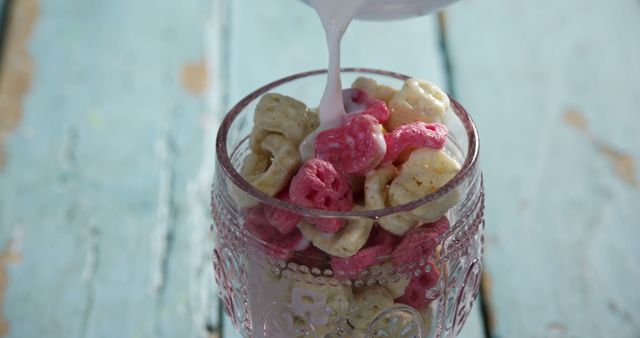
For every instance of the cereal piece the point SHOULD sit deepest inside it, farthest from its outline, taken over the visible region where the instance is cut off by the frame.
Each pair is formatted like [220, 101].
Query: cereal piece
[275, 243]
[399, 223]
[427, 318]
[380, 236]
[283, 220]
[375, 194]
[423, 173]
[265, 288]
[416, 294]
[253, 166]
[357, 102]
[379, 244]
[374, 89]
[419, 242]
[358, 333]
[321, 304]
[351, 267]
[417, 101]
[343, 243]
[284, 115]
[414, 135]
[353, 148]
[389, 278]
[286, 161]
[318, 185]
[312, 257]
[369, 302]
[375, 186]
[255, 140]
[357, 183]
[397, 286]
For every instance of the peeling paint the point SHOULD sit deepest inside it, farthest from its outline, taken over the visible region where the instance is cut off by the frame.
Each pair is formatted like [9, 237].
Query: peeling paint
[575, 119]
[623, 164]
[10, 254]
[194, 77]
[556, 330]
[16, 68]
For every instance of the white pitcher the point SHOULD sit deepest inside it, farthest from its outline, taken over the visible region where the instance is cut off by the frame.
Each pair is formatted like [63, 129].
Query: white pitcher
[399, 9]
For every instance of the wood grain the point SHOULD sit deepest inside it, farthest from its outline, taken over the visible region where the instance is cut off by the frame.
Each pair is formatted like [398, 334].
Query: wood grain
[553, 87]
[109, 174]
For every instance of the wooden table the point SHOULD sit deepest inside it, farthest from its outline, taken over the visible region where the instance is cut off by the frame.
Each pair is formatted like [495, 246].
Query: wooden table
[108, 112]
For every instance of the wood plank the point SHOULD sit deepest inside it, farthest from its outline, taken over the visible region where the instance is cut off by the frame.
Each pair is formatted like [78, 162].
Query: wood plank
[270, 39]
[104, 196]
[553, 86]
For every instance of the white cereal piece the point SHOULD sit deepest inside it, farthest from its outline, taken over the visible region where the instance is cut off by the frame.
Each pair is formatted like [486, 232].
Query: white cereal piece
[395, 282]
[254, 164]
[417, 101]
[424, 172]
[321, 304]
[396, 287]
[284, 115]
[369, 302]
[374, 89]
[284, 164]
[375, 194]
[269, 171]
[398, 223]
[344, 243]
[375, 186]
[255, 140]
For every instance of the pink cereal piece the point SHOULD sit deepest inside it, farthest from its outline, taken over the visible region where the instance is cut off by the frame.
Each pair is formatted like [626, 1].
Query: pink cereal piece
[283, 220]
[257, 225]
[412, 136]
[415, 295]
[313, 257]
[351, 267]
[380, 236]
[418, 242]
[380, 243]
[275, 243]
[318, 185]
[353, 148]
[356, 101]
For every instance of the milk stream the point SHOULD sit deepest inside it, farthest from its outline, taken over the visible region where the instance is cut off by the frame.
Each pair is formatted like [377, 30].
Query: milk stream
[335, 15]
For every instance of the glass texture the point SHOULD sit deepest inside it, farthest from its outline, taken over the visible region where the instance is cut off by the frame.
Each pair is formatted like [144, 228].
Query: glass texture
[270, 291]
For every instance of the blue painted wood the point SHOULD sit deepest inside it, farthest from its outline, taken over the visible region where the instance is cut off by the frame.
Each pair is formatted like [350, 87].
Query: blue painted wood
[554, 87]
[104, 194]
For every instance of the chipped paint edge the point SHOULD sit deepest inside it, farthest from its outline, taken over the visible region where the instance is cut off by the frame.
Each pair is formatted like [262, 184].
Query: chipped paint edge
[16, 70]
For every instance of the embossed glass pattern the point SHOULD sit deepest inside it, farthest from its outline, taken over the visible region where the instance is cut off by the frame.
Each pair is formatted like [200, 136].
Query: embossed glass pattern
[271, 291]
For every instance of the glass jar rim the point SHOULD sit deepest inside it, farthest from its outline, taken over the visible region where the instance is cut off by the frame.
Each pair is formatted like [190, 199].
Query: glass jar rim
[222, 155]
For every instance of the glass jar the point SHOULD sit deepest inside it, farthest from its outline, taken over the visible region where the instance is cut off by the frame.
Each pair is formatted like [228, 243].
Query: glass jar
[271, 290]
